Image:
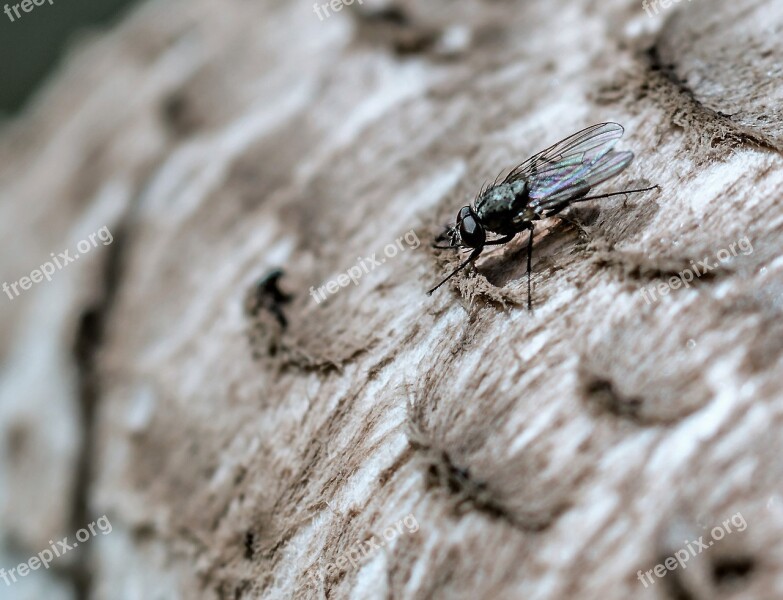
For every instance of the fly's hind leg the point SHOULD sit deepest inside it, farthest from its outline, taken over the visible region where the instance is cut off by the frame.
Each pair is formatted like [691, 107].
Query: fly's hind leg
[582, 232]
[555, 212]
[555, 208]
[582, 197]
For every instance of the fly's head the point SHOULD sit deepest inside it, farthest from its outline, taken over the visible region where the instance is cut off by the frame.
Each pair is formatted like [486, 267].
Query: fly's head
[471, 232]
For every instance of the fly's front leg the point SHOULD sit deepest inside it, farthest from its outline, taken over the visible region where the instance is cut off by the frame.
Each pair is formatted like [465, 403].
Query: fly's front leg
[504, 240]
[450, 234]
[473, 256]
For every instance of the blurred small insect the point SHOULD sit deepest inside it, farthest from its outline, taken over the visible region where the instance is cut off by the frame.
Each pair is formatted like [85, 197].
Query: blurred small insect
[539, 188]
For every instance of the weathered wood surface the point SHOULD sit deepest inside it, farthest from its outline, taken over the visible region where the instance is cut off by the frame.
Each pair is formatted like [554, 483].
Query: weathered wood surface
[542, 455]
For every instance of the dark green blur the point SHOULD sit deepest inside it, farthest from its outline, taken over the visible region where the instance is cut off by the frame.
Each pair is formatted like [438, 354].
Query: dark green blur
[31, 46]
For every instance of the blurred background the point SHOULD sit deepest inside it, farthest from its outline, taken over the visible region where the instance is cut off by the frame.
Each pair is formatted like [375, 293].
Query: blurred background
[31, 46]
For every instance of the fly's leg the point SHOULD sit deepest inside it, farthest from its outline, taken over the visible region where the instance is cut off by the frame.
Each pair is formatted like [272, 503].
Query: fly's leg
[554, 212]
[529, 267]
[504, 240]
[558, 208]
[581, 229]
[473, 256]
[507, 238]
[447, 234]
[647, 189]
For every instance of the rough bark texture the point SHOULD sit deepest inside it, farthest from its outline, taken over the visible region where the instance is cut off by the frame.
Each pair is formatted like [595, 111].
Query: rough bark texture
[241, 444]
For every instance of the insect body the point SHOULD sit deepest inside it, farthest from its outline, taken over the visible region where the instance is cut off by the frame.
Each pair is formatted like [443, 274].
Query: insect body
[541, 187]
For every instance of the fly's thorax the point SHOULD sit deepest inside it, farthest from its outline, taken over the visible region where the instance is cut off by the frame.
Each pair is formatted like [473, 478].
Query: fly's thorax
[499, 205]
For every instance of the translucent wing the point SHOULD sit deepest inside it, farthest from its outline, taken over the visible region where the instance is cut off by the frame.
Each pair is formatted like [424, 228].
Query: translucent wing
[583, 179]
[552, 169]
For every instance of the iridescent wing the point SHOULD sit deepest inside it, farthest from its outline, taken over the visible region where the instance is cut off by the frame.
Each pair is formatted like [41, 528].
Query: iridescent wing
[585, 178]
[563, 165]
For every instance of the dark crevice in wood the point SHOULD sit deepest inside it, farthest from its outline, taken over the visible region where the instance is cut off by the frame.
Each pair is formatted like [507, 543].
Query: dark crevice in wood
[731, 131]
[729, 570]
[469, 491]
[88, 342]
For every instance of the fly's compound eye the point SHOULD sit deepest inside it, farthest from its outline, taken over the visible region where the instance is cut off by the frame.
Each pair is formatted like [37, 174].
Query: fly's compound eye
[471, 232]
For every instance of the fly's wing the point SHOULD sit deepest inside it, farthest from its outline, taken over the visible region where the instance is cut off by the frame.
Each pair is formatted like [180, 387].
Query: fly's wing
[550, 170]
[580, 183]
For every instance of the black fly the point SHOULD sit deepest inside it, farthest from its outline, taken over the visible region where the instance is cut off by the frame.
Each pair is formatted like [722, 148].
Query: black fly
[541, 187]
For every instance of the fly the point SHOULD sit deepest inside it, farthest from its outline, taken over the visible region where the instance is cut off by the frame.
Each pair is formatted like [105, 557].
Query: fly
[539, 188]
